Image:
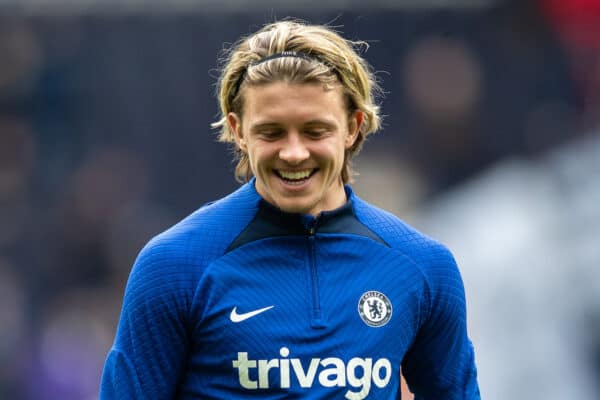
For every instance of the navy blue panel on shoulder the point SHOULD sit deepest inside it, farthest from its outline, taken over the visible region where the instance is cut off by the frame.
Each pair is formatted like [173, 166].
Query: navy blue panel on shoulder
[344, 221]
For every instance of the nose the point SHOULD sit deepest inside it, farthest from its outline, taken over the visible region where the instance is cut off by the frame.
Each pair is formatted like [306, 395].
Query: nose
[293, 150]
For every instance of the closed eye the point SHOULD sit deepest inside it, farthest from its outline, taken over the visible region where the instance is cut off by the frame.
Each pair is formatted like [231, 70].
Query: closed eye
[317, 132]
[270, 133]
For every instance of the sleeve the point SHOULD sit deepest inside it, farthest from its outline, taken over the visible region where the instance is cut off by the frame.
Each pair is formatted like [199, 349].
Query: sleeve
[150, 349]
[440, 363]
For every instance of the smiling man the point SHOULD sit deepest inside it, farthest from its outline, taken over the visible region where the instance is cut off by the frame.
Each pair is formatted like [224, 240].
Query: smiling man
[296, 136]
[292, 286]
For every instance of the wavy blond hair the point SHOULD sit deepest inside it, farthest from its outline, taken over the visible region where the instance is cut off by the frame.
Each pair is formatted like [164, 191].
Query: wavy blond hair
[330, 59]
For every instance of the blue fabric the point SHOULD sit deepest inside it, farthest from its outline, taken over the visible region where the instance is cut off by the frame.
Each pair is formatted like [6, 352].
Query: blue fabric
[277, 315]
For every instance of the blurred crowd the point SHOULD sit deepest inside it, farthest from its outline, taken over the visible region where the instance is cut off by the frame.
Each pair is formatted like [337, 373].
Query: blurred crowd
[526, 234]
[105, 142]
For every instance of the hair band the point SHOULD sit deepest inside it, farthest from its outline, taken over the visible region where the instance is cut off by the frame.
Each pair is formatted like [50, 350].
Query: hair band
[304, 56]
[287, 53]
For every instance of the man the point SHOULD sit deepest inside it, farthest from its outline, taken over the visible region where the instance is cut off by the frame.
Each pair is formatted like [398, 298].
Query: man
[292, 286]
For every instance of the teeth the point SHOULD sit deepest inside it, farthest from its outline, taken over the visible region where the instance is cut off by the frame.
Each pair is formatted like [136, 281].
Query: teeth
[295, 175]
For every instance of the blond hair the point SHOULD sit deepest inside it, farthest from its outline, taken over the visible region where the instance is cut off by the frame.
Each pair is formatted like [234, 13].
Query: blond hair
[330, 59]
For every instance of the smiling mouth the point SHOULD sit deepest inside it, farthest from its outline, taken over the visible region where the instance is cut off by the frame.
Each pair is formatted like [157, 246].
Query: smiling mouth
[296, 177]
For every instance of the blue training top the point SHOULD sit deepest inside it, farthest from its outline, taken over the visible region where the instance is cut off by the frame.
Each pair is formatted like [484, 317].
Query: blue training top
[243, 300]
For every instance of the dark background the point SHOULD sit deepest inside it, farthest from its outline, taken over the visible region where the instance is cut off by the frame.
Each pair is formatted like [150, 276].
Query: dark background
[105, 141]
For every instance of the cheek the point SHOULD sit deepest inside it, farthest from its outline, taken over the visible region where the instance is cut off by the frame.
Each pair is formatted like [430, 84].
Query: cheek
[259, 154]
[332, 158]
[338, 153]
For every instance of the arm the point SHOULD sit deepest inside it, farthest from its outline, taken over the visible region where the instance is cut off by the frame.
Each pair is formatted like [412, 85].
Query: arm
[441, 364]
[151, 344]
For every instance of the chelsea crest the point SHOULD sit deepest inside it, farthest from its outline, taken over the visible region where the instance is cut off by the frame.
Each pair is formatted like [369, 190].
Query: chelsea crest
[374, 308]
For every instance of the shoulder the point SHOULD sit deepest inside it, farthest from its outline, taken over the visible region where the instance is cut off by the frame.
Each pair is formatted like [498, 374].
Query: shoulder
[426, 252]
[199, 238]
[443, 288]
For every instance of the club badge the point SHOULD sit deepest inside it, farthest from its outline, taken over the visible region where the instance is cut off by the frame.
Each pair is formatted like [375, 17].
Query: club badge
[375, 309]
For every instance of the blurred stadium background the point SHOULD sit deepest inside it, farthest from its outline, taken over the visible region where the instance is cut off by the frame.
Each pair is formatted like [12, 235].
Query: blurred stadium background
[491, 144]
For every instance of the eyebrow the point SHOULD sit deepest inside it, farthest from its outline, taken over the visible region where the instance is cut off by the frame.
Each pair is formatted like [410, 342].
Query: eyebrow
[265, 125]
[313, 122]
[320, 122]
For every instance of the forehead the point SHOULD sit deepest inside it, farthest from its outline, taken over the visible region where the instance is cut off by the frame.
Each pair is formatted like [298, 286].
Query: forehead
[288, 102]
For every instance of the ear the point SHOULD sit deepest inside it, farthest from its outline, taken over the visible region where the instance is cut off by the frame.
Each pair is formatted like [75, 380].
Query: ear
[235, 125]
[354, 125]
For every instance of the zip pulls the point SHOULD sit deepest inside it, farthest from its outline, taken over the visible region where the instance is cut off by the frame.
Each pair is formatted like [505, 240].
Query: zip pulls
[316, 320]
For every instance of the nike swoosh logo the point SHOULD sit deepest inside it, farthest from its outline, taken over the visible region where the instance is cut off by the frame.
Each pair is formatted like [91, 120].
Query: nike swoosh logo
[235, 317]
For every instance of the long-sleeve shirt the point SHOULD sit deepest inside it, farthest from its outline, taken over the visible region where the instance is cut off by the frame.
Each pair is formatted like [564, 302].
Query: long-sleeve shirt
[241, 299]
